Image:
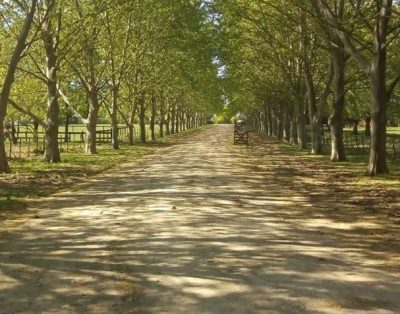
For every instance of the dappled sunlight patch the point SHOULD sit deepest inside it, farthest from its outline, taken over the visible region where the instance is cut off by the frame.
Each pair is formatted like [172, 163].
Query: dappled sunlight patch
[327, 223]
[205, 288]
[161, 206]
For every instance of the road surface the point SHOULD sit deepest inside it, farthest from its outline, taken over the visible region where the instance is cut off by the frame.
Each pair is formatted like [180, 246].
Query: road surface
[202, 226]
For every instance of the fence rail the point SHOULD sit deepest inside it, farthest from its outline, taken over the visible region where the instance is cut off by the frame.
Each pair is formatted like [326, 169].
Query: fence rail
[30, 143]
[360, 143]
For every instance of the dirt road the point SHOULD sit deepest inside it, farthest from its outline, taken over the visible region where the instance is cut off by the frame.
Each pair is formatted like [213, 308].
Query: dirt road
[201, 227]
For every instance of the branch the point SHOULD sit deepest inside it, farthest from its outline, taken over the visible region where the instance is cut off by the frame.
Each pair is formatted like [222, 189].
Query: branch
[393, 85]
[28, 113]
[69, 104]
[346, 39]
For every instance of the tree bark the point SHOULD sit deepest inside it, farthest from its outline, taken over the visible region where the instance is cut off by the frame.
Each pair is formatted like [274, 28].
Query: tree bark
[52, 151]
[301, 125]
[91, 124]
[131, 135]
[377, 160]
[142, 119]
[265, 119]
[279, 123]
[293, 132]
[130, 123]
[177, 120]
[153, 119]
[286, 126]
[270, 120]
[336, 120]
[314, 111]
[168, 124]
[66, 129]
[114, 117]
[173, 114]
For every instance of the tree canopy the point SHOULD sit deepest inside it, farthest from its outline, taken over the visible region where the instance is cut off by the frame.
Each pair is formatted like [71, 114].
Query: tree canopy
[290, 66]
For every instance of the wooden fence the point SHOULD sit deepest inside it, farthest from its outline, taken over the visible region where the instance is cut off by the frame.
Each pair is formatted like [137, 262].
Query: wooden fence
[31, 143]
[360, 144]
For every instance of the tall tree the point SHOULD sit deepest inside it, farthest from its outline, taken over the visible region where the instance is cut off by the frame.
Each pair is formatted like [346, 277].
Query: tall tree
[17, 54]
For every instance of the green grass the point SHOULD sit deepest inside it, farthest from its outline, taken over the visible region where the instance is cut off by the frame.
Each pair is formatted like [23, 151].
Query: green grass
[393, 130]
[81, 162]
[33, 178]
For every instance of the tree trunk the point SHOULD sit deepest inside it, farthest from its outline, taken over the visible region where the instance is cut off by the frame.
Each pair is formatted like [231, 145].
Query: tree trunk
[173, 114]
[379, 94]
[377, 160]
[168, 124]
[270, 121]
[293, 132]
[177, 120]
[66, 129]
[336, 120]
[188, 121]
[91, 124]
[316, 135]
[367, 131]
[274, 122]
[301, 126]
[280, 124]
[35, 132]
[286, 126]
[355, 127]
[114, 118]
[130, 123]
[162, 116]
[182, 122]
[161, 126]
[265, 119]
[131, 134]
[142, 119]
[153, 119]
[315, 121]
[52, 151]
[4, 167]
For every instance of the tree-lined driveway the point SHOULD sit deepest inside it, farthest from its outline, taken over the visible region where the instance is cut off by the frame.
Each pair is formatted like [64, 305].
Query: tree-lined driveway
[202, 226]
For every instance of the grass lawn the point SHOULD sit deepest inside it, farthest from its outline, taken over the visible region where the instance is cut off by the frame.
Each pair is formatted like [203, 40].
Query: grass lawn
[393, 130]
